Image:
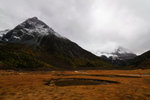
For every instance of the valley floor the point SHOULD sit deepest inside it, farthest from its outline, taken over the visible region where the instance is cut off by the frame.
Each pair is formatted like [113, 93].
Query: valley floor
[75, 85]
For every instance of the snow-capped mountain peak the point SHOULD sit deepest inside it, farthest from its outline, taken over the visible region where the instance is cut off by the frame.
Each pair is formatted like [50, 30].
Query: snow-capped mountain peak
[120, 53]
[34, 25]
[30, 31]
[121, 50]
[123, 53]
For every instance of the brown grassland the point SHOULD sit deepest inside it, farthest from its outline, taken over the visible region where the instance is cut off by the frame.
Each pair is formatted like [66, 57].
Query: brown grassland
[37, 85]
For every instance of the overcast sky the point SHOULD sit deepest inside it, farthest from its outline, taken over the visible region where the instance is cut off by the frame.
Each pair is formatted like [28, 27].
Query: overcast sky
[94, 24]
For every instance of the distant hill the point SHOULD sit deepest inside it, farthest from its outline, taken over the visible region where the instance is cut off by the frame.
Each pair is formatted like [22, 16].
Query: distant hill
[120, 56]
[34, 45]
[128, 60]
[120, 53]
[142, 61]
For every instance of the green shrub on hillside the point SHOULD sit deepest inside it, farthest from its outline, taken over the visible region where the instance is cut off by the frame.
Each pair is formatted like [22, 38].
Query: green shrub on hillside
[15, 57]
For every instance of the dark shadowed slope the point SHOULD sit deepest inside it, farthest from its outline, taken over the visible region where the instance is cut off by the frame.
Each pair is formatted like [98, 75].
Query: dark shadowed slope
[142, 61]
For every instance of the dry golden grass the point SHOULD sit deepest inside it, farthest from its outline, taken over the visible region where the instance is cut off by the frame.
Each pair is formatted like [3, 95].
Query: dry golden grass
[31, 86]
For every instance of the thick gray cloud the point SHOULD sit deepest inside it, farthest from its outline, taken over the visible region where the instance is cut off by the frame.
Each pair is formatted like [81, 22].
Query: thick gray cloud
[94, 24]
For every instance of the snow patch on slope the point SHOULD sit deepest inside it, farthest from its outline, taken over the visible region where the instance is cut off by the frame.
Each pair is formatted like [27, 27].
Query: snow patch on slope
[30, 31]
[4, 32]
[119, 53]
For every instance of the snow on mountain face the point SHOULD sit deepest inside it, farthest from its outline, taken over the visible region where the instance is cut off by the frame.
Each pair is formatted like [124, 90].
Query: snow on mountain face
[124, 54]
[121, 50]
[30, 31]
[34, 25]
[120, 53]
[4, 32]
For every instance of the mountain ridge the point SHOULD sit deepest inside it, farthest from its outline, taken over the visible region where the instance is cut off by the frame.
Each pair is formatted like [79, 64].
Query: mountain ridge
[33, 45]
[29, 32]
[50, 47]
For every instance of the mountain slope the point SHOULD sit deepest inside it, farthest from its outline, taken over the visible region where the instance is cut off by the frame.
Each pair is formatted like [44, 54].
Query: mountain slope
[13, 56]
[24, 57]
[29, 32]
[3, 33]
[51, 48]
[124, 54]
[120, 56]
[120, 53]
[35, 32]
[142, 61]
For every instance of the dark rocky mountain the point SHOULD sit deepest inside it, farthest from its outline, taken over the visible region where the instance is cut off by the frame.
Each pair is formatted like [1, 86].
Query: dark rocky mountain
[34, 45]
[36, 33]
[45, 45]
[133, 62]
[29, 32]
[142, 61]
[120, 56]
[3, 33]
[123, 54]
